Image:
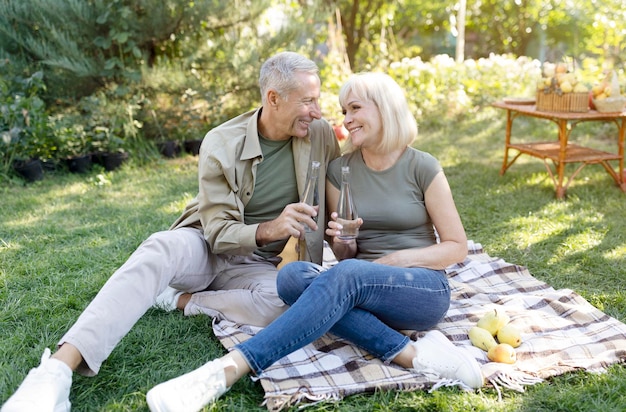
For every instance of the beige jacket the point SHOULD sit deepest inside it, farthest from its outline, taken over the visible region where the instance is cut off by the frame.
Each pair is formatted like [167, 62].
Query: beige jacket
[227, 165]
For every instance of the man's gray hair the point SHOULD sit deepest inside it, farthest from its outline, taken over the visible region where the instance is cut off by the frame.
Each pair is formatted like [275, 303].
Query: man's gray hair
[278, 72]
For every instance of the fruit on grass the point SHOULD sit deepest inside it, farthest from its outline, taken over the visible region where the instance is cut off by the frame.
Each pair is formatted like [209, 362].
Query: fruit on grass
[481, 338]
[503, 353]
[493, 321]
[510, 334]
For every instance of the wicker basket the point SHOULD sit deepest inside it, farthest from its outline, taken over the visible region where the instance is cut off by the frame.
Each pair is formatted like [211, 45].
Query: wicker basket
[566, 102]
[610, 104]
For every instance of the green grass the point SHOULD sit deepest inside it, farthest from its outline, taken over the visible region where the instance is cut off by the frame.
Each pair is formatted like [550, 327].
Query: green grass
[61, 238]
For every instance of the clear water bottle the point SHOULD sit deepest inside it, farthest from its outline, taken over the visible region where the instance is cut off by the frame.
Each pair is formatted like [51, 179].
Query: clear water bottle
[346, 210]
[310, 196]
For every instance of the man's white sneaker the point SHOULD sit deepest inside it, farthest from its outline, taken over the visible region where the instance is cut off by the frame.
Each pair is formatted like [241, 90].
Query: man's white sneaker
[435, 353]
[45, 388]
[192, 391]
[168, 299]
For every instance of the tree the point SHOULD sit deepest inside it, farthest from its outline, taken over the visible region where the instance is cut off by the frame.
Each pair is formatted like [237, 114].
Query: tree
[99, 41]
[381, 31]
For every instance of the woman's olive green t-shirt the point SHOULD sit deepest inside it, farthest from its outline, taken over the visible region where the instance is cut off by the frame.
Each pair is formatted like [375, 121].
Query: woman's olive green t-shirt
[390, 202]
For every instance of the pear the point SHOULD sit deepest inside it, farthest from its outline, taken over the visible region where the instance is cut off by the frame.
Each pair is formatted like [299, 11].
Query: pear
[510, 334]
[493, 321]
[481, 338]
[503, 353]
[566, 87]
[580, 88]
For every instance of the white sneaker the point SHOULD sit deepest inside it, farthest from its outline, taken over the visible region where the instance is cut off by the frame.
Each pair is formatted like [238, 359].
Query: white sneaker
[435, 353]
[192, 391]
[45, 388]
[168, 299]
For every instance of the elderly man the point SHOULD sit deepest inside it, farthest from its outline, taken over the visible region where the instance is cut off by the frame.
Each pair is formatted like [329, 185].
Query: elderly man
[227, 241]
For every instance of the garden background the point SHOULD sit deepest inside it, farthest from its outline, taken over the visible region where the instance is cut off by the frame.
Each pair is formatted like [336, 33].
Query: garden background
[89, 76]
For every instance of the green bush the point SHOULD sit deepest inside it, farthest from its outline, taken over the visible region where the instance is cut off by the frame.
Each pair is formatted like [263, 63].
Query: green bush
[24, 124]
[174, 103]
[442, 90]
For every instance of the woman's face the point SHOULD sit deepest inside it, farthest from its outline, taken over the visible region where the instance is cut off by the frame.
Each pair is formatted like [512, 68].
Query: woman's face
[363, 121]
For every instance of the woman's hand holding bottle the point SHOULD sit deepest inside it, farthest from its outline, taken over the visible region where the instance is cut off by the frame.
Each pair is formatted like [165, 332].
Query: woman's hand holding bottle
[344, 231]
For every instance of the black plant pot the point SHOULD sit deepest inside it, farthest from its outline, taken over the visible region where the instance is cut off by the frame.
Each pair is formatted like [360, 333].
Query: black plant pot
[169, 148]
[79, 164]
[97, 158]
[31, 170]
[50, 165]
[112, 161]
[193, 146]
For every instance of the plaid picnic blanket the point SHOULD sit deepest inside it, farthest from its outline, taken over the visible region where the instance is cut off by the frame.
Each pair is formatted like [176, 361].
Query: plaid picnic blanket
[561, 332]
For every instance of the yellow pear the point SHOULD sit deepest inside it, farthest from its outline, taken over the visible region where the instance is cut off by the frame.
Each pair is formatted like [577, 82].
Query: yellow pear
[597, 89]
[510, 334]
[566, 87]
[580, 88]
[493, 321]
[503, 353]
[481, 338]
[561, 68]
[571, 79]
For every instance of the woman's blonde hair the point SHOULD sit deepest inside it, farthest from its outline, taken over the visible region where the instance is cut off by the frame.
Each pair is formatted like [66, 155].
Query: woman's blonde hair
[398, 123]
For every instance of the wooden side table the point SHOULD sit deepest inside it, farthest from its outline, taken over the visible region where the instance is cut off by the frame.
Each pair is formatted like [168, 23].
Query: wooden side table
[561, 152]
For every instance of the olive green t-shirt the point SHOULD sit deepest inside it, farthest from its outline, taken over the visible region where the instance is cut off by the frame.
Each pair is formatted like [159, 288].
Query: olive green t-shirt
[274, 188]
[390, 202]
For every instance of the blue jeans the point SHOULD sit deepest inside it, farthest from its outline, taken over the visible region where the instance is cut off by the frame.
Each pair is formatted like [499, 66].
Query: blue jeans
[363, 302]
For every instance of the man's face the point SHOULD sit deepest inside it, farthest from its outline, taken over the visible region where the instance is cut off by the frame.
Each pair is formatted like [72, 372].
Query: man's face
[300, 107]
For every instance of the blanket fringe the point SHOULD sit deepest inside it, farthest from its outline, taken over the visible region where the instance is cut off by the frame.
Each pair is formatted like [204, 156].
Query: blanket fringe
[449, 382]
[506, 376]
[276, 403]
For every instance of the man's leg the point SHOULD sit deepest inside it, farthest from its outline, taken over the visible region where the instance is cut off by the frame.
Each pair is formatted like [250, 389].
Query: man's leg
[244, 291]
[178, 257]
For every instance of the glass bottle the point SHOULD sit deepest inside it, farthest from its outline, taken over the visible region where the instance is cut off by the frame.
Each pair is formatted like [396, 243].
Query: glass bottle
[310, 196]
[346, 210]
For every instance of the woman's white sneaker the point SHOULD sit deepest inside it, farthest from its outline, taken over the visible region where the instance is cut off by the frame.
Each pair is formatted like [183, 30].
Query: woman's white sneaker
[435, 353]
[192, 391]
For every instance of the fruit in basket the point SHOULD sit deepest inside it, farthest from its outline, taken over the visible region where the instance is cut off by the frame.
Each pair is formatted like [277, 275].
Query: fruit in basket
[561, 68]
[597, 89]
[566, 87]
[606, 96]
[607, 87]
[580, 88]
[556, 78]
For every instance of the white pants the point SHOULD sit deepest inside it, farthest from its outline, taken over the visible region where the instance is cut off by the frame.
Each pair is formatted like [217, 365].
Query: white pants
[239, 288]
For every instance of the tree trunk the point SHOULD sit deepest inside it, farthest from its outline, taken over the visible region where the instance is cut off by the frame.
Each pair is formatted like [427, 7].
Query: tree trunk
[460, 38]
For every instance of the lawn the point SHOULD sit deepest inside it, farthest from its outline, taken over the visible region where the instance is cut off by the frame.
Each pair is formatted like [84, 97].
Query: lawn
[61, 238]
